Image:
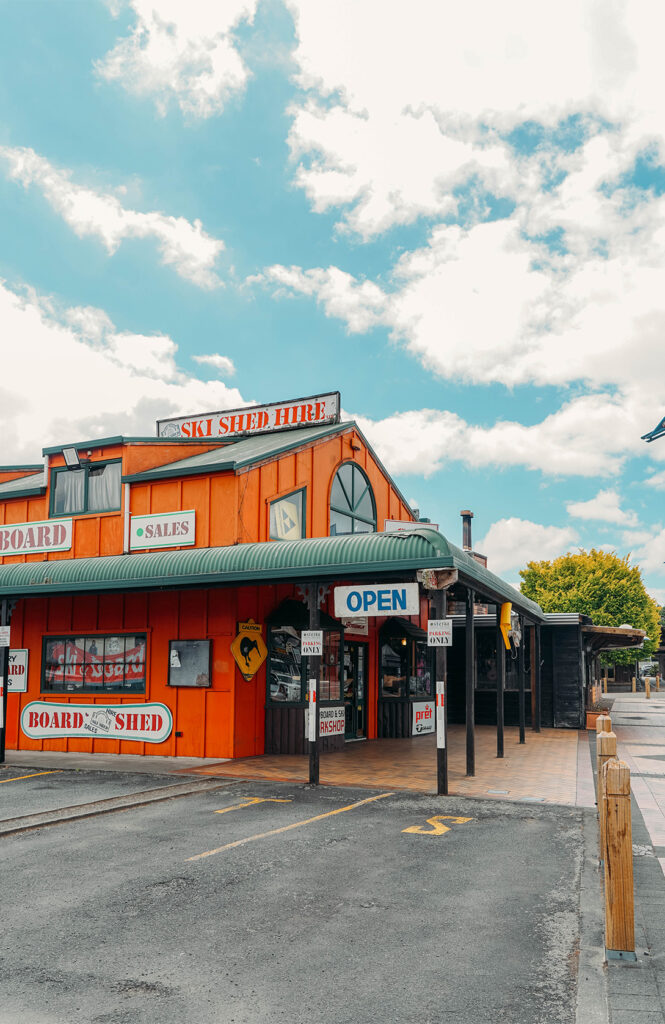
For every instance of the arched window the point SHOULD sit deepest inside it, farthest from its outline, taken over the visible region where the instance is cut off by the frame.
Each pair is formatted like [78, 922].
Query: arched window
[352, 508]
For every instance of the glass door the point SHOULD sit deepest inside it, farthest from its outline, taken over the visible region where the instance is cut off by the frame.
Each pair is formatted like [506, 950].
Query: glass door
[355, 668]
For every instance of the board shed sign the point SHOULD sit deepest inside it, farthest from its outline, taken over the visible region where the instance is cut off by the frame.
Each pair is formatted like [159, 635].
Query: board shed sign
[26, 538]
[377, 599]
[162, 530]
[440, 633]
[255, 419]
[48, 720]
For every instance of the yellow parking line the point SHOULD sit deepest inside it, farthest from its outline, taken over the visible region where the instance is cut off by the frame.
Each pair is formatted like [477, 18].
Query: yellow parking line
[56, 771]
[287, 828]
[255, 800]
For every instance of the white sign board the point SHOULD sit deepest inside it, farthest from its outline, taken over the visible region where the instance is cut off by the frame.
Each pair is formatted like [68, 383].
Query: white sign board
[358, 626]
[440, 715]
[399, 526]
[4, 635]
[255, 419]
[311, 643]
[162, 530]
[27, 538]
[331, 721]
[149, 723]
[422, 717]
[440, 633]
[17, 681]
[378, 599]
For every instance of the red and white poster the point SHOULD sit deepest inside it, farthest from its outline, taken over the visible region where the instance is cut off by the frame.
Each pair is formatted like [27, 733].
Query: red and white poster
[255, 419]
[148, 723]
[113, 662]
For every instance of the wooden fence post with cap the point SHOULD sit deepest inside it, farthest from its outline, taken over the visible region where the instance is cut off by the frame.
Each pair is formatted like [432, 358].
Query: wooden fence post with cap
[633, 684]
[658, 682]
[603, 724]
[647, 687]
[619, 897]
[606, 750]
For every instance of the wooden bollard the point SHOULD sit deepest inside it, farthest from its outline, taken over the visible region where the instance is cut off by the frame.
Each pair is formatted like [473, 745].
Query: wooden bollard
[647, 687]
[634, 689]
[658, 681]
[603, 724]
[604, 684]
[619, 899]
[606, 750]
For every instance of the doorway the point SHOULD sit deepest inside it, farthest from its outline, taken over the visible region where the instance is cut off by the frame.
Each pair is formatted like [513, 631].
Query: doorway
[355, 710]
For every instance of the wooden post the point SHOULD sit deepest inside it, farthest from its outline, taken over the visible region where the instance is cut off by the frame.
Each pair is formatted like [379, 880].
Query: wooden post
[647, 687]
[658, 681]
[440, 606]
[619, 905]
[520, 676]
[603, 724]
[536, 709]
[634, 687]
[313, 675]
[470, 685]
[500, 682]
[605, 683]
[5, 619]
[606, 750]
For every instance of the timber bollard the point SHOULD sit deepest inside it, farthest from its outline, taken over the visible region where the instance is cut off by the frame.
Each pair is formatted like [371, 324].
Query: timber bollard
[619, 897]
[603, 724]
[604, 684]
[658, 681]
[634, 688]
[606, 750]
[647, 687]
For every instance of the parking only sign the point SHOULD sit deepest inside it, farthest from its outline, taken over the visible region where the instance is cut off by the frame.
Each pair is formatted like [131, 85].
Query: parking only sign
[440, 633]
[311, 643]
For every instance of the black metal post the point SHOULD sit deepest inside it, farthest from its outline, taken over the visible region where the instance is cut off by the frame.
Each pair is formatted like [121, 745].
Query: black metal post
[440, 605]
[535, 712]
[520, 675]
[313, 672]
[5, 616]
[500, 682]
[470, 672]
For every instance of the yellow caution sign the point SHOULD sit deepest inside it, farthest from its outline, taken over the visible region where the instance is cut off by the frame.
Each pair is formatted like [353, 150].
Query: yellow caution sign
[505, 624]
[248, 648]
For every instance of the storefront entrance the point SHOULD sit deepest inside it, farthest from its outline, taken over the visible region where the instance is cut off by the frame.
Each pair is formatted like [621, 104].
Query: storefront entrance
[355, 668]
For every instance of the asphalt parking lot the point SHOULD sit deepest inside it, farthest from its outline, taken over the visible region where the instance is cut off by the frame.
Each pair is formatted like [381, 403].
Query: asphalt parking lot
[277, 902]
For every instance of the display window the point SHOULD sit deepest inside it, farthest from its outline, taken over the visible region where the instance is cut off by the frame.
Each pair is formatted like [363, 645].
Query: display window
[94, 664]
[93, 487]
[406, 662]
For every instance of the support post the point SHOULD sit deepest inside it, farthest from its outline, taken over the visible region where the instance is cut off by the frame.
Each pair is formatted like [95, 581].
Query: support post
[520, 673]
[658, 682]
[440, 606]
[606, 750]
[470, 667]
[313, 674]
[500, 682]
[535, 710]
[647, 687]
[619, 897]
[5, 616]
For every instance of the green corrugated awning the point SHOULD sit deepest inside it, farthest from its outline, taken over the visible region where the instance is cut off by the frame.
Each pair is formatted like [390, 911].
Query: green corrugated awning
[372, 556]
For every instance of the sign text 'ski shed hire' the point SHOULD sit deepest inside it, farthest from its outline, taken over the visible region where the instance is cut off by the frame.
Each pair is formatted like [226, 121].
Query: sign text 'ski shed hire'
[256, 419]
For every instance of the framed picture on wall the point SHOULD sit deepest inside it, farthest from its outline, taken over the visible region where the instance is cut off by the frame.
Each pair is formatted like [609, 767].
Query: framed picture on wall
[189, 663]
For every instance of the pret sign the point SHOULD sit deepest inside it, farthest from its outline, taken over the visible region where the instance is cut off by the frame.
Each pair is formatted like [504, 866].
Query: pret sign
[378, 599]
[27, 538]
[423, 717]
[162, 530]
[440, 633]
[311, 643]
[148, 723]
[255, 419]
[17, 681]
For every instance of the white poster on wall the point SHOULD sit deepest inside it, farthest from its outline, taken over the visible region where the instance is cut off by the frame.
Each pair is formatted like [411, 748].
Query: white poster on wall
[18, 671]
[423, 718]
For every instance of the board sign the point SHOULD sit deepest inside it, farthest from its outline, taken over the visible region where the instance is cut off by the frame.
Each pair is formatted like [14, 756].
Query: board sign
[27, 538]
[440, 633]
[17, 679]
[331, 721]
[422, 720]
[255, 419]
[399, 526]
[377, 599]
[162, 530]
[148, 723]
[311, 643]
[5, 632]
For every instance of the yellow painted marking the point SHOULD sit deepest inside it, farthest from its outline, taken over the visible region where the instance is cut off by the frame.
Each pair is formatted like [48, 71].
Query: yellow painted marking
[56, 771]
[287, 828]
[255, 800]
[438, 828]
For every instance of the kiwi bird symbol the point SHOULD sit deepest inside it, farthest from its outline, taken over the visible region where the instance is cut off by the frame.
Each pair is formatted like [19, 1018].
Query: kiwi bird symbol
[247, 645]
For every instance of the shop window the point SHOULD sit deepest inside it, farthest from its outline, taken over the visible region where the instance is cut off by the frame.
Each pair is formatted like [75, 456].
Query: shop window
[287, 672]
[287, 517]
[189, 663]
[486, 673]
[94, 664]
[352, 506]
[406, 662]
[94, 487]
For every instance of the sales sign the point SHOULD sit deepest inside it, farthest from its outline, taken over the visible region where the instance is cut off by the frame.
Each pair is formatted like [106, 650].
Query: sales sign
[440, 633]
[162, 530]
[422, 718]
[255, 419]
[17, 681]
[27, 538]
[311, 643]
[378, 599]
[148, 723]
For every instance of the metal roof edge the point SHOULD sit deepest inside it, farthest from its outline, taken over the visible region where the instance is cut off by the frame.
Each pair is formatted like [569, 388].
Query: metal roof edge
[102, 442]
[28, 467]
[27, 492]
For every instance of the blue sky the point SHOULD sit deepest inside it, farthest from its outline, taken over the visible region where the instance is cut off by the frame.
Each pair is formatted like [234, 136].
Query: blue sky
[456, 220]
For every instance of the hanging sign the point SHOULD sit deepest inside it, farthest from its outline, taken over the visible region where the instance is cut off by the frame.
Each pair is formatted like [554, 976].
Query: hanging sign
[255, 419]
[311, 643]
[17, 681]
[441, 715]
[440, 633]
[422, 718]
[27, 538]
[162, 530]
[4, 636]
[248, 648]
[378, 599]
[148, 723]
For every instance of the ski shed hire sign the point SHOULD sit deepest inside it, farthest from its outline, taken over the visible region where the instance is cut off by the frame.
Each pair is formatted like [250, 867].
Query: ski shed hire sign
[377, 599]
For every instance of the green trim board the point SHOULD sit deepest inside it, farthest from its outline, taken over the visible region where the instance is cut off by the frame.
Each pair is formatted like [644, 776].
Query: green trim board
[346, 557]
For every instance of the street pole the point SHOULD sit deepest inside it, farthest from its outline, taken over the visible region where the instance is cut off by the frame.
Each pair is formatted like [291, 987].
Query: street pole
[4, 678]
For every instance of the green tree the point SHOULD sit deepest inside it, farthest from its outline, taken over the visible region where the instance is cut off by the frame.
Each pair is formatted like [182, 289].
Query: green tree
[599, 584]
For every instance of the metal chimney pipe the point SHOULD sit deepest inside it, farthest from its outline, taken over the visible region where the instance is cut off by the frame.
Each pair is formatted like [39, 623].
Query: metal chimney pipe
[467, 516]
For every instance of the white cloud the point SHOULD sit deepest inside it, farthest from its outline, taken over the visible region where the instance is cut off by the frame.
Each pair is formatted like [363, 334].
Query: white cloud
[605, 508]
[184, 246]
[221, 363]
[650, 555]
[87, 379]
[657, 481]
[182, 50]
[510, 543]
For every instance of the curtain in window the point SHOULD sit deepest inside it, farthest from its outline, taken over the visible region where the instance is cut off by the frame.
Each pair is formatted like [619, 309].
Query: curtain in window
[69, 491]
[104, 487]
